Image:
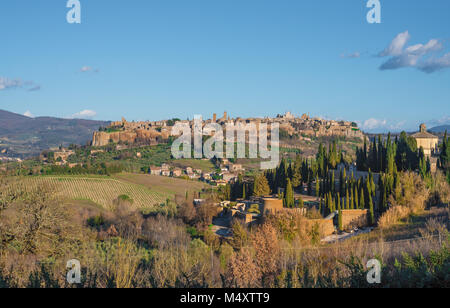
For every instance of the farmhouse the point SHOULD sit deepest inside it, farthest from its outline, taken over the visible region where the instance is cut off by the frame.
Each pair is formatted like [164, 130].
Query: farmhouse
[427, 141]
[154, 170]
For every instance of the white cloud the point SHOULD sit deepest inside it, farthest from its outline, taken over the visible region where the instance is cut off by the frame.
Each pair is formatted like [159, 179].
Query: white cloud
[353, 55]
[414, 55]
[396, 46]
[28, 114]
[381, 125]
[397, 126]
[442, 121]
[372, 123]
[86, 69]
[8, 83]
[435, 64]
[84, 114]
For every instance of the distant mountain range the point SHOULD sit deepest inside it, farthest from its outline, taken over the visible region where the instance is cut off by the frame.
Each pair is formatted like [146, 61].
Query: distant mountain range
[21, 136]
[440, 129]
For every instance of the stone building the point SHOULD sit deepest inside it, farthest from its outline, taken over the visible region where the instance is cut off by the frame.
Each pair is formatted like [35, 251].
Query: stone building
[427, 141]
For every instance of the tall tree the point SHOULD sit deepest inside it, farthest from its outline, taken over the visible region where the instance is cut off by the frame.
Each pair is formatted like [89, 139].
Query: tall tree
[261, 186]
[340, 225]
[289, 195]
[362, 204]
[347, 199]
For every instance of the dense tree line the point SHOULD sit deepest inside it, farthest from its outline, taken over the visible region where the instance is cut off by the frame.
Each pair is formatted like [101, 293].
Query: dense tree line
[401, 154]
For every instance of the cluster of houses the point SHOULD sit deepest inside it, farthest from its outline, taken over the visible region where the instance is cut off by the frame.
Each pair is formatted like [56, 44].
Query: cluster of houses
[228, 172]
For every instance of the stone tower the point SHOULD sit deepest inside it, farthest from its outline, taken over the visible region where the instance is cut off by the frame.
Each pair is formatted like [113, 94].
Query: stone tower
[423, 128]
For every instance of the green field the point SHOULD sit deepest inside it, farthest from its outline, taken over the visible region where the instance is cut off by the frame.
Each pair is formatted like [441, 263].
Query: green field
[162, 184]
[101, 190]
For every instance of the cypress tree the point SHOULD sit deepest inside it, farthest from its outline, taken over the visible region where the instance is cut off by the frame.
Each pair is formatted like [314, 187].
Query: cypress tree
[317, 186]
[344, 184]
[347, 199]
[372, 214]
[361, 199]
[297, 176]
[289, 195]
[352, 195]
[300, 203]
[338, 200]
[340, 217]
[330, 203]
[309, 187]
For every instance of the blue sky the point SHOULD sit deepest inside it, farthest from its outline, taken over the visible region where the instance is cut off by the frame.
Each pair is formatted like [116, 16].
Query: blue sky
[148, 60]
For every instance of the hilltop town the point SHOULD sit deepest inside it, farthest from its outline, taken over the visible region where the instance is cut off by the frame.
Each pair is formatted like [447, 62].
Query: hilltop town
[126, 186]
[153, 132]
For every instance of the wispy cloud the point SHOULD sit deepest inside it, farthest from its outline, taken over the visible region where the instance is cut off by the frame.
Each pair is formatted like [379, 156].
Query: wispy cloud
[445, 120]
[378, 125]
[373, 123]
[417, 56]
[87, 69]
[435, 64]
[84, 114]
[395, 48]
[35, 88]
[353, 55]
[8, 83]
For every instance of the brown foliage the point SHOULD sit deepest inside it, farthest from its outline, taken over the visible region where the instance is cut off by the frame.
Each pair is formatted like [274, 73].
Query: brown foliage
[243, 272]
[267, 251]
[409, 198]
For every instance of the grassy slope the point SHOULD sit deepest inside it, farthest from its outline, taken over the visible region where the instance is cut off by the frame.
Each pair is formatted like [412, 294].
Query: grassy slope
[406, 229]
[162, 184]
[102, 190]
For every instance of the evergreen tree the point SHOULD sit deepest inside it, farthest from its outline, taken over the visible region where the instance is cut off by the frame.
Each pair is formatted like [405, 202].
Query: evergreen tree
[347, 199]
[317, 186]
[261, 186]
[289, 195]
[309, 187]
[296, 170]
[362, 205]
[340, 225]
[355, 203]
[338, 200]
[329, 203]
[372, 215]
[301, 204]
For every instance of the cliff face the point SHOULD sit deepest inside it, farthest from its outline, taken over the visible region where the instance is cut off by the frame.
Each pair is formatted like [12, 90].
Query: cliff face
[141, 136]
